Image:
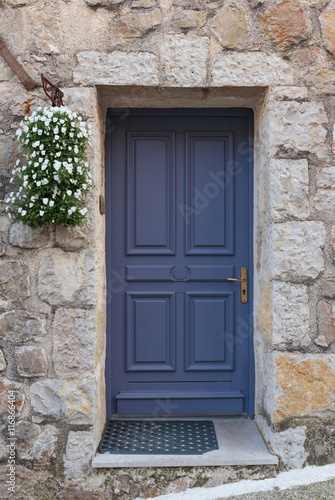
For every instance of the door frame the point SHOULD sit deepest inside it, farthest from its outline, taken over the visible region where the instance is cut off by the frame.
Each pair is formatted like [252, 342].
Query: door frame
[245, 337]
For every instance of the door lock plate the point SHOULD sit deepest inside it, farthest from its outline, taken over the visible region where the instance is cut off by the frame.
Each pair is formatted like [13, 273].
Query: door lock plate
[244, 284]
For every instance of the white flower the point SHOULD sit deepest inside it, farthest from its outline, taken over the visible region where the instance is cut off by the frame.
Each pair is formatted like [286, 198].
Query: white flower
[51, 203]
[40, 160]
[41, 147]
[69, 192]
[25, 177]
[45, 201]
[84, 186]
[34, 129]
[56, 177]
[8, 200]
[44, 166]
[40, 132]
[83, 211]
[18, 132]
[69, 148]
[57, 165]
[24, 168]
[63, 129]
[31, 205]
[38, 183]
[77, 194]
[58, 154]
[17, 162]
[41, 212]
[23, 212]
[56, 137]
[33, 198]
[54, 119]
[71, 134]
[11, 180]
[34, 176]
[19, 210]
[25, 184]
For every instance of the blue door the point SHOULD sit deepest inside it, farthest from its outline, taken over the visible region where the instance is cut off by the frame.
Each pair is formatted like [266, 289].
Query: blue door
[179, 224]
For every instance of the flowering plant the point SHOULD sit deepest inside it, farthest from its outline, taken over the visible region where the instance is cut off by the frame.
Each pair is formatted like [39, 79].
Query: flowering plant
[55, 175]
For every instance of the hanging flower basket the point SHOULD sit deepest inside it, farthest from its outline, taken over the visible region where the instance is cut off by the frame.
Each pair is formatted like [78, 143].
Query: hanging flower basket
[55, 174]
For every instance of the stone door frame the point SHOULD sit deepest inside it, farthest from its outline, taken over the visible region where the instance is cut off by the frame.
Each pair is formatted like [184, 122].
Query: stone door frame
[277, 111]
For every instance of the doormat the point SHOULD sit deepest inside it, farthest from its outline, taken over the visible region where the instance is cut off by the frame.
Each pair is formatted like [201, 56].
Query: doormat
[168, 437]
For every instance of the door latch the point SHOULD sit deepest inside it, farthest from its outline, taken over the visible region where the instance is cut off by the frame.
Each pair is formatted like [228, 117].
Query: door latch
[244, 284]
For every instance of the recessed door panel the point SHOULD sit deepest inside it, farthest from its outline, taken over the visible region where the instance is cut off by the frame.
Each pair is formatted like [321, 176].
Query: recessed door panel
[150, 331]
[150, 211]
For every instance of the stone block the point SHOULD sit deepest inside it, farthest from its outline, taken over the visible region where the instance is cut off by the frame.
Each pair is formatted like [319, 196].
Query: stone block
[70, 237]
[3, 362]
[291, 93]
[290, 315]
[231, 28]
[326, 324]
[36, 442]
[3, 448]
[327, 21]
[14, 280]
[68, 400]
[31, 361]
[143, 4]
[2, 247]
[305, 385]
[65, 277]
[103, 3]
[180, 484]
[322, 79]
[73, 350]
[250, 69]
[24, 236]
[297, 127]
[184, 59]
[289, 444]
[6, 147]
[79, 452]
[46, 28]
[297, 250]
[189, 18]
[24, 478]
[78, 494]
[325, 184]
[22, 326]
[81, 100]
[328, 289]
[117, 68]
[289, 189]
[6, 386]
[125, 28]
[333, 143]
[22, 103]
[310, 57]
[4, 223]
[286, 23]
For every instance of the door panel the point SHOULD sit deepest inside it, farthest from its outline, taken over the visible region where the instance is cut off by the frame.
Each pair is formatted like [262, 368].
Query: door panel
[179, 212]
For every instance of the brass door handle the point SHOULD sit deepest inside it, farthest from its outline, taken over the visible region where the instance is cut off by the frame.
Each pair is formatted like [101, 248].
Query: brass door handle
[244, 284]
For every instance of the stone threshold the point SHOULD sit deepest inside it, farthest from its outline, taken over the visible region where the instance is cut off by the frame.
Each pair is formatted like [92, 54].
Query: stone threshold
[239, 440]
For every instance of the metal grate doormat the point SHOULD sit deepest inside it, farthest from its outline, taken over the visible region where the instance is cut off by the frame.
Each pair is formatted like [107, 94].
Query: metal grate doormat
[168, 437]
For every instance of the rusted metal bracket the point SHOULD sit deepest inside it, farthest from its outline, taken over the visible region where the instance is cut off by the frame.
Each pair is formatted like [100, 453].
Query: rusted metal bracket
[27, 81]
[54, 93]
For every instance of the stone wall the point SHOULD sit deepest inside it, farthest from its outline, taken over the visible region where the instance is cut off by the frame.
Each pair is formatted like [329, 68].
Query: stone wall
[276, 57]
